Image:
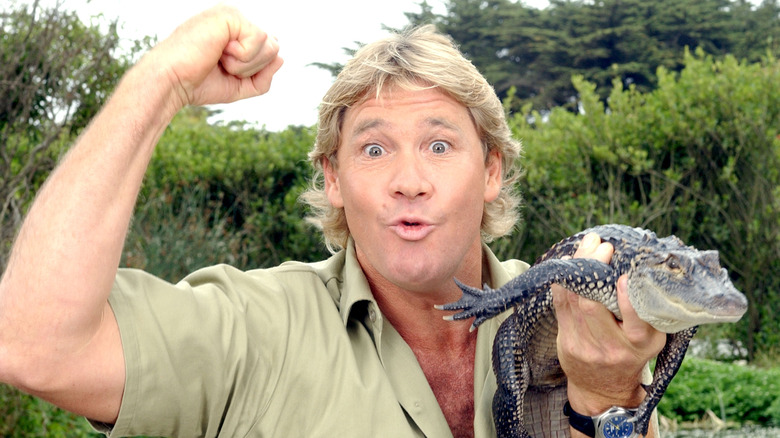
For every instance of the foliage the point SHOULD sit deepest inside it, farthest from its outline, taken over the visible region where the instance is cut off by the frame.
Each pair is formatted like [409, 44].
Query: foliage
[699, 158]
[55, 73]
[737, 393]
[223, 193]
[171, 238]
[25, 416]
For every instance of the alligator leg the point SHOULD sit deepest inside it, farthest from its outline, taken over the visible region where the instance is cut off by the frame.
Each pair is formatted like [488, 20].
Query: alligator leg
[666, 366]
[587, 277]
[512, 375]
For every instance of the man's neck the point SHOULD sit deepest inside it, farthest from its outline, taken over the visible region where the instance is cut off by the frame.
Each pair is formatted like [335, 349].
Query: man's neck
[445, 350]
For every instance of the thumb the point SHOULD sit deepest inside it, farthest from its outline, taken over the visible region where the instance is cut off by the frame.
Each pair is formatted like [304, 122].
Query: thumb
[638, 332]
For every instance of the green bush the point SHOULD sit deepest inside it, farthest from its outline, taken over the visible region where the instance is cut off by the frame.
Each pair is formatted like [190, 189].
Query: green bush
[24, 416]
[699, 157]
[172, 238]
[739, 393]
[223, 194]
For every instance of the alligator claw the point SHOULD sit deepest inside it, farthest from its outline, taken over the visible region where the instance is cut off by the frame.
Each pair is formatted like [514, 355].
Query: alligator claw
[472, 305]
[468, 303]
[471, 296]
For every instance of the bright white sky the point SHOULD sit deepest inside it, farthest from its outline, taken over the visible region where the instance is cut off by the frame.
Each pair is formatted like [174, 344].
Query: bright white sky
[308, 31]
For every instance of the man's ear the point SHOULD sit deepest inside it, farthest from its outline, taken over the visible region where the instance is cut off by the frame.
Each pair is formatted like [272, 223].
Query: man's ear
[332, 185]
[493, 178]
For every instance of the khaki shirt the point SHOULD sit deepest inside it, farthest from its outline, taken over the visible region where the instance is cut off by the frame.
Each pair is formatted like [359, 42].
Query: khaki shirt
[300, 350]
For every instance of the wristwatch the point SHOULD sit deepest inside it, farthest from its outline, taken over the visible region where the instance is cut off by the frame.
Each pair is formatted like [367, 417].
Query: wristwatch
[615, 422]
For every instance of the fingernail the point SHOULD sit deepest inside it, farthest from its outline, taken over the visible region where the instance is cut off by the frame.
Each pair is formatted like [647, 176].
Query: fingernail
[591, 241]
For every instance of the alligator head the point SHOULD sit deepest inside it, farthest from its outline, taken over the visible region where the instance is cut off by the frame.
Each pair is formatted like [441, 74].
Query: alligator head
[680, 287]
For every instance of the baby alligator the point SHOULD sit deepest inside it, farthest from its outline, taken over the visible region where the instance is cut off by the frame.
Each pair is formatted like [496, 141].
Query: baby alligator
[671, 286]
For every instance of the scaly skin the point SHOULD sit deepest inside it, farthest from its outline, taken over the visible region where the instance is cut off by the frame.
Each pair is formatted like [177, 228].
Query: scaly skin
[673, 287]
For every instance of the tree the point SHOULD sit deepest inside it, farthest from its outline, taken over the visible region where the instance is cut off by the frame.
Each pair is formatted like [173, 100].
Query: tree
[756, 30]
[537, 52]
[55, 73]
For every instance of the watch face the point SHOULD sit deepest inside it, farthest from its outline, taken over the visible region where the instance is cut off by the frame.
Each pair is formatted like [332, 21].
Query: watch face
[618, 426]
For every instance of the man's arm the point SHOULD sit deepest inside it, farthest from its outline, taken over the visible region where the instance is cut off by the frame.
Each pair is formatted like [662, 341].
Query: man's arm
[603, 358]
[58, 336]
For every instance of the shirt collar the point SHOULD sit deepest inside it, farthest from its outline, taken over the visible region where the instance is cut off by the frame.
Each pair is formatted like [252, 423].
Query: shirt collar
[355, 288]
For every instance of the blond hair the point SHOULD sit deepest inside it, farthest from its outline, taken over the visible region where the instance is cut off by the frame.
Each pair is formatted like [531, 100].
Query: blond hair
[414, 59]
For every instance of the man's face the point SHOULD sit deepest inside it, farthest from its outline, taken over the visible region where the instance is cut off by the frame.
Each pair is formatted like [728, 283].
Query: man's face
[412, 178]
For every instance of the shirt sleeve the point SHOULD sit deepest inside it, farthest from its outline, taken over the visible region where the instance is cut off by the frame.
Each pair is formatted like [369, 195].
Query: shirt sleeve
[188, 353]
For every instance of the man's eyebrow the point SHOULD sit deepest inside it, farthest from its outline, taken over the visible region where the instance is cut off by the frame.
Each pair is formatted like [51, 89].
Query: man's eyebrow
[367, 125]
[432, 122]
[439, 122]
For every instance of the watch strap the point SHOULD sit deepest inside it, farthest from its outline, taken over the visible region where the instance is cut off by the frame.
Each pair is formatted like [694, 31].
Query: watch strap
[579, 422]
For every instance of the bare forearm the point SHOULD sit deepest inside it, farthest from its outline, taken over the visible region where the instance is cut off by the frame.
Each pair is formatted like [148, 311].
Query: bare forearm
[63, 263]
[59, 338]
[66, 255]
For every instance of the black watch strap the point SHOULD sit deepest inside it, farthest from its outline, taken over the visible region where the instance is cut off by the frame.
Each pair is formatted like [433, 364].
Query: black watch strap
[580, 422]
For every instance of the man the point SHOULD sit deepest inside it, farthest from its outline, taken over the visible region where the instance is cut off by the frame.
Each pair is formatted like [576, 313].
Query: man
[413, 177]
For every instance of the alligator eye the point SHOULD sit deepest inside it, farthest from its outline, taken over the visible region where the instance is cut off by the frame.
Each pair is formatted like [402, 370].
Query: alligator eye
[672, 263]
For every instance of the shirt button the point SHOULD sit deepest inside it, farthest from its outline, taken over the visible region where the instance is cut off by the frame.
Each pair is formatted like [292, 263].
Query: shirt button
[371, 313]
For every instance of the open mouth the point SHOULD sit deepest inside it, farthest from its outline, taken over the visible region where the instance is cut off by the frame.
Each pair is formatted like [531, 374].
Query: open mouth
[412, 229]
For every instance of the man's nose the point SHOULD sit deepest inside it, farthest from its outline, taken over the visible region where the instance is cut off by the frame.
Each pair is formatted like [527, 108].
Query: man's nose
[411, 177]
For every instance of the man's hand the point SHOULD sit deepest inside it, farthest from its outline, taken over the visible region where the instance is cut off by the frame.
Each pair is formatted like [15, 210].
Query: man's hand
[217, 57]
[603, 358]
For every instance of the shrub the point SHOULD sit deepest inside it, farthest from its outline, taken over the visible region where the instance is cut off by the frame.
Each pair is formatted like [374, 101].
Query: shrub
[24, 416]
[223, 193]
[739, 393]
[698, 157]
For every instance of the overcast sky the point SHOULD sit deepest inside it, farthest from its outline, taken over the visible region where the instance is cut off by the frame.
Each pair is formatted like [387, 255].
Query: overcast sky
[308, 31]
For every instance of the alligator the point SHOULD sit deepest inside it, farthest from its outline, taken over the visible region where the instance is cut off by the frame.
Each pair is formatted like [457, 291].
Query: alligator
[673, 287]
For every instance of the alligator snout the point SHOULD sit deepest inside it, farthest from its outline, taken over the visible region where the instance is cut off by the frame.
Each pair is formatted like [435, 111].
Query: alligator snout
[729, 305]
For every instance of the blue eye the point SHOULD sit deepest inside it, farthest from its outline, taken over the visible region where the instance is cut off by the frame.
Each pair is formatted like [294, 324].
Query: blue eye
[373, 150]
[439, 147]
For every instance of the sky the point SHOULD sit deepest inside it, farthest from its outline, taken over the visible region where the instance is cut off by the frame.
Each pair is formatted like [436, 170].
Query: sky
[308, 31]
